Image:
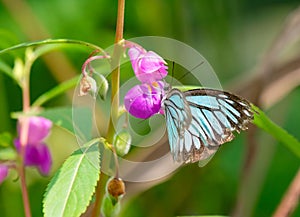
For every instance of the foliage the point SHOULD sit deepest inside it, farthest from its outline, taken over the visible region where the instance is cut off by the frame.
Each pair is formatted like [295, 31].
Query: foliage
[226, 37]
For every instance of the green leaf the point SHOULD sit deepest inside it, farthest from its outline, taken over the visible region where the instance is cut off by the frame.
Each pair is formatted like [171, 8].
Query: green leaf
[187, 87]
[203, 216]
[52, 41]
[68, 118]
[59, 89]
[60, 116]
[262, 121]
[72, 187]
[6, 69]
[5, 139]
[8, 154]
[110, 207]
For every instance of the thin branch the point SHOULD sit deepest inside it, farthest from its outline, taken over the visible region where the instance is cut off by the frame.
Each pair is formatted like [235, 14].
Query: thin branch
[290, 199]
[24, 129]
[265, 74]
[115, 83]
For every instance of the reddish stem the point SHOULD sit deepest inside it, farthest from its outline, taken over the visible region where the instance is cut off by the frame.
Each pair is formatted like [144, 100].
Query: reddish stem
[89, 60]
[290, 200]
[24, 127]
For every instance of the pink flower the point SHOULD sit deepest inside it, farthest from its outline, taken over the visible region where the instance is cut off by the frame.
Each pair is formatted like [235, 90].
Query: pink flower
[36, 152]
[3, 172]
[143, 101]
[147, 66]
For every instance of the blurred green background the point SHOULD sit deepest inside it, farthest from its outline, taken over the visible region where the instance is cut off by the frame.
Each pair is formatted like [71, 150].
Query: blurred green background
[232, 35]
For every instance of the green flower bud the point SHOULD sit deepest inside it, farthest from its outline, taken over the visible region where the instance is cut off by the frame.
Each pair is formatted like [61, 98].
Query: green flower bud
[102, 84]
[122, 142]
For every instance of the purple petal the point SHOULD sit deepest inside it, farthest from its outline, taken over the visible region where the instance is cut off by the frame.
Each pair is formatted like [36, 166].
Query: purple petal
[135, 52]
[17, 144]
[39, 129]
[3, 172]
[147, 66]
[143, 101]
[39, 156]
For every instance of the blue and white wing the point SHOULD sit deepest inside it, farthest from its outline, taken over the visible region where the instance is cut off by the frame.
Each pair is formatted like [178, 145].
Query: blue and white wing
[178, 119]
[214, 116]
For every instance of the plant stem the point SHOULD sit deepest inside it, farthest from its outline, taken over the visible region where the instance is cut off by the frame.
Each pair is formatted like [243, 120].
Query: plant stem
[115, 83]
[24, 122]
[24, 191]
[290, 200]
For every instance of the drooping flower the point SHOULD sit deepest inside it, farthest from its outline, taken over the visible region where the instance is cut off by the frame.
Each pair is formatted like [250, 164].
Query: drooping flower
[36, 152]
[88, 85]
[147, 66]
[3, 172]
[144, 100]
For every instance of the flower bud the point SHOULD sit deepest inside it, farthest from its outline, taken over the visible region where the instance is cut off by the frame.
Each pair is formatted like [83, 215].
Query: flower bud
[102, 84]
[88, 85]
[122, 142]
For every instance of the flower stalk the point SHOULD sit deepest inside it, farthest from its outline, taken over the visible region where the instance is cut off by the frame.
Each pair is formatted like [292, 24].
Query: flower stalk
[24, 134]
[115, 83]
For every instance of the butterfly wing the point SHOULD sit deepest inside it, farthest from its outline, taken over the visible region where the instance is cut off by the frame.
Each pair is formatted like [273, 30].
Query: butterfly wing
[178, 119]
[214, 115]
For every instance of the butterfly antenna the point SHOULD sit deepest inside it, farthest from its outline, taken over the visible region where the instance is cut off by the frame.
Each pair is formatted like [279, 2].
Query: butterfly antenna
[172, 74]
[191, 70]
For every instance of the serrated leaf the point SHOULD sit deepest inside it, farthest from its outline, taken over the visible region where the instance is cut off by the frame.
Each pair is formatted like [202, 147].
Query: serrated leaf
[72, 187]
[262, 121]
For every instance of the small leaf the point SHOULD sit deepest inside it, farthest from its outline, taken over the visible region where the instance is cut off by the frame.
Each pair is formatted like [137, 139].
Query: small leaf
[70, 118]
[71, 189]
[6, 69]
[122, 142]
[262, 121]
[102, 84]
[110, 207]
[5, 139]
[8, 154]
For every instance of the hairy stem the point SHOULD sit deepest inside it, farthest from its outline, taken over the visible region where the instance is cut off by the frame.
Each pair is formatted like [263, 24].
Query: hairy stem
[24, 123]
[115, 83]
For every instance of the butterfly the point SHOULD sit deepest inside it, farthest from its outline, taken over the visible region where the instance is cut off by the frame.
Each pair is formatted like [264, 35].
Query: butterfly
[199, 121]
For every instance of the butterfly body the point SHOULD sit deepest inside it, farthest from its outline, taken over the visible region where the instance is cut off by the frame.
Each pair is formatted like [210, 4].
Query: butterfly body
[200, 120]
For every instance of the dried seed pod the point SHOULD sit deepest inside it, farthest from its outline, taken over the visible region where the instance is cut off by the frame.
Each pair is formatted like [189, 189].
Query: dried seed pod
[116, 187]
